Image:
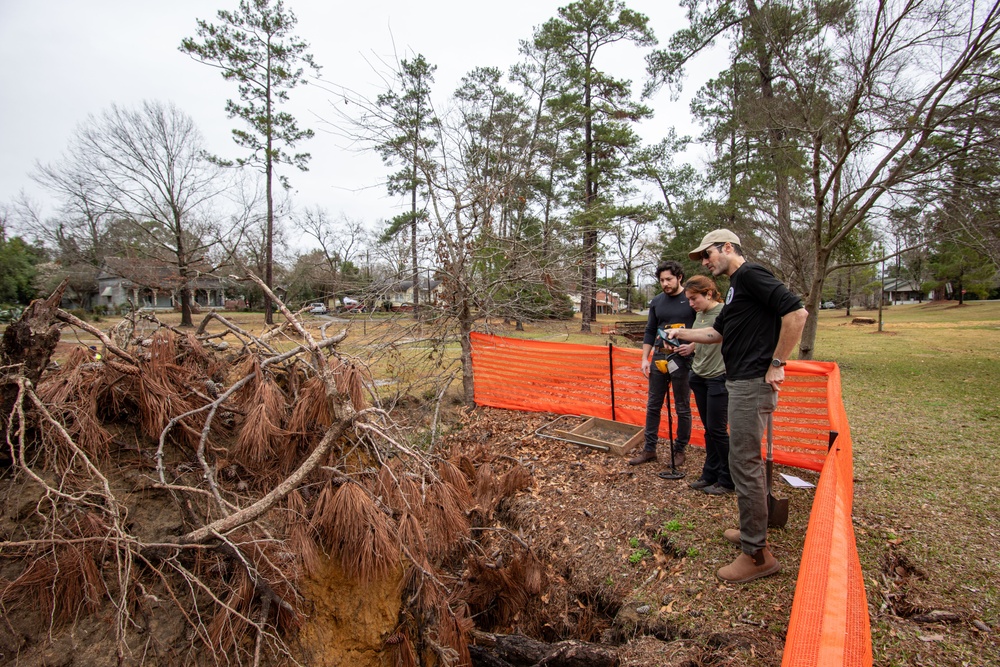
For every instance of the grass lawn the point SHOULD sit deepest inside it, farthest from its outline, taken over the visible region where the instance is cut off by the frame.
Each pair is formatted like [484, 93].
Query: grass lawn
[924, 406]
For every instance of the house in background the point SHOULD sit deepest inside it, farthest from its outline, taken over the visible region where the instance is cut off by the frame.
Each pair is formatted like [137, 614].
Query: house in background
[574, 298]
[608, 302]
[153, 285]
[400, 293]
[897, 291]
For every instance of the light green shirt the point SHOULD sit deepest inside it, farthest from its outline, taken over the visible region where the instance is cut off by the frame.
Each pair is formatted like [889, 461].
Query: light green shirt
[707, 358]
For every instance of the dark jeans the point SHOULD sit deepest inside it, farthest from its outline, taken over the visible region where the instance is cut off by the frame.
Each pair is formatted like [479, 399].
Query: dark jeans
[658, 383]
[712, 399]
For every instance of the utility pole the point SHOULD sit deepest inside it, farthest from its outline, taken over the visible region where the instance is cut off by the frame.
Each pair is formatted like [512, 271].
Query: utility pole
[881, 290]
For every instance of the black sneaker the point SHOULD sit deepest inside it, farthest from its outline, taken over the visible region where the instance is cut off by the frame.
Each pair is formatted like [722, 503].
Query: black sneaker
[700, 483]
[718, 490]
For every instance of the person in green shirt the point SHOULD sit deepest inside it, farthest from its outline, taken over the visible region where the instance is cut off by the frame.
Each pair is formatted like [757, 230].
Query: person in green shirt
[708, 384]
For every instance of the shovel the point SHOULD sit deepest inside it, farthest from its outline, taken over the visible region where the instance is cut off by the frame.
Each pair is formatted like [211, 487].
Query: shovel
[777, 508]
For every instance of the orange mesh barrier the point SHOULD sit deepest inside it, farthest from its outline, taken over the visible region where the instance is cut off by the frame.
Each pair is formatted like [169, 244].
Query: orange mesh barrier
[829, 623]
[538, 376]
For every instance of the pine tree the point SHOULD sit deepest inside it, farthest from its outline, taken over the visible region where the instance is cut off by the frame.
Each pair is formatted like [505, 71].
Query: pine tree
[600, 110]
[255, 47]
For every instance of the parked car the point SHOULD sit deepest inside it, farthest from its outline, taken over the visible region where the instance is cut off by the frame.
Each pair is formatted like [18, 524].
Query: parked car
[317, 308]
[404, 307]
[827, 305]
[351, 305]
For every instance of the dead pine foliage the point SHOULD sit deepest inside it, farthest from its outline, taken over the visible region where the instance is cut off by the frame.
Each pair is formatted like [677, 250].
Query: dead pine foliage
[178, 487]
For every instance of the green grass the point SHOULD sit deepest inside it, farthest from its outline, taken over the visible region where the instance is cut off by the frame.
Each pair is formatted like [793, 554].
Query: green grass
[923, 401]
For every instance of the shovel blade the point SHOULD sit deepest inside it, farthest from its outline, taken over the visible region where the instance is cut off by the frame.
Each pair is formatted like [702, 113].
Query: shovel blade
[777, 511]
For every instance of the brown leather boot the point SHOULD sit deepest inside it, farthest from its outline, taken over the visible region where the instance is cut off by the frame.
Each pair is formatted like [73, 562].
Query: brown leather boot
[644, 456]
[747, 568]
[732, 535]
[679, 458]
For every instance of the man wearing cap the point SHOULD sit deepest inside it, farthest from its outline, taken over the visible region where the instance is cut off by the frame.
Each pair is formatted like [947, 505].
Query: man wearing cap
[759, 326]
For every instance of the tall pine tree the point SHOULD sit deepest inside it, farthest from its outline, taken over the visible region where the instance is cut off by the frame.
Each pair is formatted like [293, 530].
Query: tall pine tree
[600, 109]
[255, 47]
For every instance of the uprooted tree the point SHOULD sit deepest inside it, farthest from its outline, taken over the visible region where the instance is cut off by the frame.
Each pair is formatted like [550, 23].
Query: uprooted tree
[211, 472]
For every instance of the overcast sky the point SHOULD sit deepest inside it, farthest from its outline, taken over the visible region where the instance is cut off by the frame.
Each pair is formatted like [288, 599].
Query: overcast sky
[65, 59]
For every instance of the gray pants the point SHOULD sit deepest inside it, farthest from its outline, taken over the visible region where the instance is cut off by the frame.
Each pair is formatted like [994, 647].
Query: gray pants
[750, 402]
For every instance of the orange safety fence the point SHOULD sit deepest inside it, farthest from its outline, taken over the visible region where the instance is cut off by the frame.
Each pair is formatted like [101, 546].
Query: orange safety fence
[539, 376]
[829, 623]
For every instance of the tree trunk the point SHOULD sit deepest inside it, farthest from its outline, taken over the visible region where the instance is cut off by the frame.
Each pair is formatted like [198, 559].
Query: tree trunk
[776, 136]
[588, 289]
[808, 341]
[413, 244]
[186, 309]
[849, 294]
[182, 270]
[465, 321]
[269, 177]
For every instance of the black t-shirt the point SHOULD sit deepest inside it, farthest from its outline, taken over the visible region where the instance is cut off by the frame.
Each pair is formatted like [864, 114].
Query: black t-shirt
[666, 310]
[750, 321]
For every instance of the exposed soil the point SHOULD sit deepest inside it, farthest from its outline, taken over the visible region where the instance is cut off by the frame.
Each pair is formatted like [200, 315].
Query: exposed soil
[631, 558]
[628, 558]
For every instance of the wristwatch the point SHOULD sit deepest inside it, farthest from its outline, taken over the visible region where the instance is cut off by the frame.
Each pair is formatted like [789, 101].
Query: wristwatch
[778, 363]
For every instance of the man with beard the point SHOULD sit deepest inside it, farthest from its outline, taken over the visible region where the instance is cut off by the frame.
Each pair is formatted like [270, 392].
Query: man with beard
[667, 310]
[760, 324]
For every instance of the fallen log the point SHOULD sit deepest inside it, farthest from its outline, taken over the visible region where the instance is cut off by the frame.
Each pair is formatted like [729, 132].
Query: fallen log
[492, 650]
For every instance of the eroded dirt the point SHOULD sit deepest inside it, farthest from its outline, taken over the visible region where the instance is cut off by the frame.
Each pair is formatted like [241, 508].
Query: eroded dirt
[631, 558]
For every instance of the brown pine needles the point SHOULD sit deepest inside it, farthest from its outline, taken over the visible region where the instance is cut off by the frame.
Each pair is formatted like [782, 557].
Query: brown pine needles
[229, 434]
[261, 435]
[359, 534]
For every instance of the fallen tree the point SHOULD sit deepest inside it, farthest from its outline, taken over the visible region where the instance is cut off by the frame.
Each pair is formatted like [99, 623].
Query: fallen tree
[211, 473]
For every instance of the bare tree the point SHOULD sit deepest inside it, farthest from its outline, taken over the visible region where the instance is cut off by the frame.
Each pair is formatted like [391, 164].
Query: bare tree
[146, 166]
[889, 107]
[631, 245]
[339, 242]
[848, 105]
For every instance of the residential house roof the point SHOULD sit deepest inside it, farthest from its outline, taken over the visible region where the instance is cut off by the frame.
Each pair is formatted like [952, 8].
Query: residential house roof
[154, 274]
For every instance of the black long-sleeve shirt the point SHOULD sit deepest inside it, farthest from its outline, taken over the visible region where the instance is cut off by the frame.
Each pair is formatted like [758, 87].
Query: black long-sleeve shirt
[666, 310]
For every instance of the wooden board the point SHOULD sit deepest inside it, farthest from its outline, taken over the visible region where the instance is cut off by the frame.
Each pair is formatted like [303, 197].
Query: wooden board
[605, 434]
